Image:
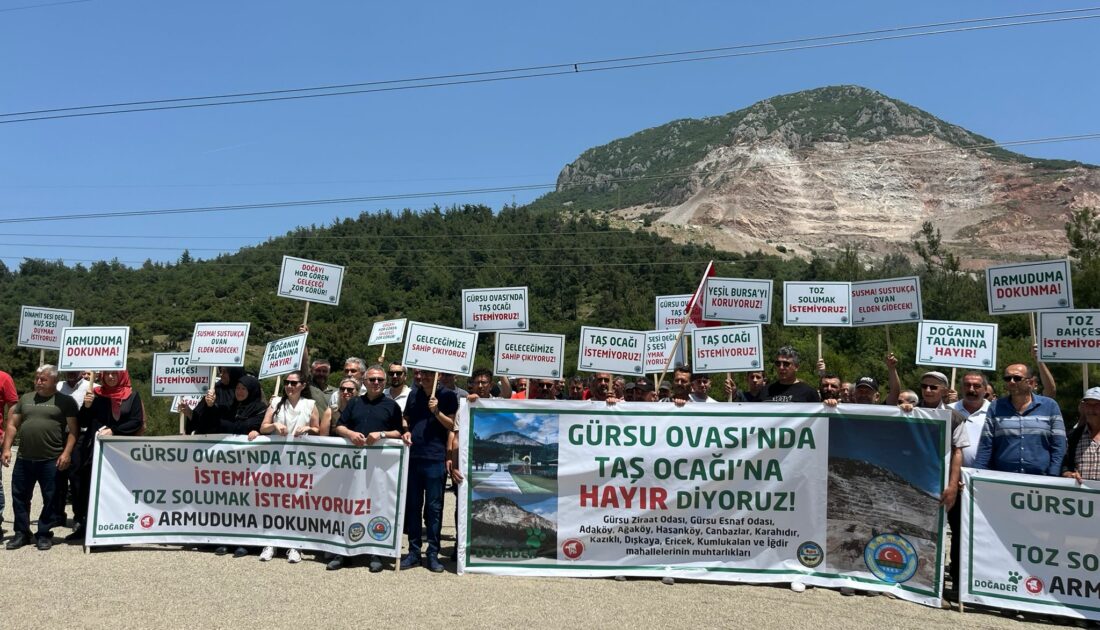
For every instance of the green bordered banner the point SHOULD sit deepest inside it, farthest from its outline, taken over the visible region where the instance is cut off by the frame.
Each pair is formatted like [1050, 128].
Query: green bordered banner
[1030, 543]
[305, 493]
[843, 496]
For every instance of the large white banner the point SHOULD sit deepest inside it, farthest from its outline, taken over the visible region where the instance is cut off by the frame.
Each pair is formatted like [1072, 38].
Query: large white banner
[304, 493]
[440, 348]
[309, 280]
[1069, 336]
[173, 375]
[495, 309]
[531, 355]
[892, 301]
[730, 492]
[41, 327]
[1027, 287]
[1030, 543]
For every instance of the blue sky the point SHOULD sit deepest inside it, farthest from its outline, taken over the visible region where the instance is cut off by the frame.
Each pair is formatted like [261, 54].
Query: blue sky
[1007, 84]
[537, 426]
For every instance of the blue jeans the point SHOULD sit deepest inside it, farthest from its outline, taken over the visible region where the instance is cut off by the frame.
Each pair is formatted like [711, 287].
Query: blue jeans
[24, 475]
[425, 494]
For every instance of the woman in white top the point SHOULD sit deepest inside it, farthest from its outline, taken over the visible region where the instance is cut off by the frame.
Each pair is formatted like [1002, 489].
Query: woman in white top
[294, 415]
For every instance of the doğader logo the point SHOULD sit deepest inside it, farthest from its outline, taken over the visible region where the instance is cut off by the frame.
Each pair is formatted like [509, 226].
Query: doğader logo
[891, 558]
[147, 521]
[810, 554]
[572, 548]
[1033, 585]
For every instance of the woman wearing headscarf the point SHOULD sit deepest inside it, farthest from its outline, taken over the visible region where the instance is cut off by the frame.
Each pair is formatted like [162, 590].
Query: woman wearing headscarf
[291, 414]
[243, 416]
[112, 408]
[217, 401]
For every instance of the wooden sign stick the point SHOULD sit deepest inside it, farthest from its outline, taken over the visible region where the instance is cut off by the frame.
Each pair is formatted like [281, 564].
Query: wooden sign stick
[889, 349]
[819, 354]
[1084, 377]
[42, 357]
[953, 370]
[305, 318]
[435, 384]
[729, 377]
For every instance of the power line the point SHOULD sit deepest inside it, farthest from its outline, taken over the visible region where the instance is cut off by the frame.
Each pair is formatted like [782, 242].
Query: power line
[602, 183]
[530, 72]
[382, 266]
[42, 6]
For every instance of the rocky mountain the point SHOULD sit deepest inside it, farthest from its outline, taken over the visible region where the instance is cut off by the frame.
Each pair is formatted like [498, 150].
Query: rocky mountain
[500, 523]
[866, 500]
[513, 438]
[825, 168]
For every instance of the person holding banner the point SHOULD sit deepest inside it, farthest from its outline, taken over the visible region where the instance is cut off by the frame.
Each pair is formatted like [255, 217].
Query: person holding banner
[8, 398]
[75, 386]
[44, 448]
[577, 390]
[1082, 460]
[787, 387]
[293, 415]
[972, 408]
[349, 389]
[429, 420]
[112, 408]
[217, 401]
[1024, 432]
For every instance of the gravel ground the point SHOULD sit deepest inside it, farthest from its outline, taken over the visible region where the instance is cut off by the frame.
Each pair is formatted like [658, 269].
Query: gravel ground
[166, 587]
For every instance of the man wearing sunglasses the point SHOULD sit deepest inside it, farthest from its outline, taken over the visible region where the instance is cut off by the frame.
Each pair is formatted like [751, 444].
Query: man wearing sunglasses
[1024, 432]
[787, 387]
[398, 391]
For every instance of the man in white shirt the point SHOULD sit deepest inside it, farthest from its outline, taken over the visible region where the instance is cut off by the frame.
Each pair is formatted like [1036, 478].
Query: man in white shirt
[398, 391]
[972, 407]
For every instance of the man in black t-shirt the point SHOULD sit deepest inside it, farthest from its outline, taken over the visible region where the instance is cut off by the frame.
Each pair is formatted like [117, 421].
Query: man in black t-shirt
[787, 387]
[365, 421]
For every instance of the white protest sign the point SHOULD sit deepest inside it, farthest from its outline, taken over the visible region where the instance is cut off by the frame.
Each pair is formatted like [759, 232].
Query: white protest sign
[387, 332]
[173, 375]
[611, 350]
[219, 343]
[309, 280]
[41, 327]
[727, 349]
[1069, 336]
[94, 348]
[658, 348]
[283, 356]
[440, 348]
[186, 401]
[670, 312]
[957, 344]
[494, 309]
[531, 355]
[891, 301]
[1029, 543]
[817, 304]
[1036, 286]
[738, 300]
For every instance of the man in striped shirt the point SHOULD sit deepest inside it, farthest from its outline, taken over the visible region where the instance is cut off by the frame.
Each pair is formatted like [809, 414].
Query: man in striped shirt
[1024, 432]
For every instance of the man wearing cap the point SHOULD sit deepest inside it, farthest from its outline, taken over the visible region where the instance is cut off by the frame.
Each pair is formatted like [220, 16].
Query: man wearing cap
[1082, 459]
[934, 393]
[866, 391]
[1024, 432]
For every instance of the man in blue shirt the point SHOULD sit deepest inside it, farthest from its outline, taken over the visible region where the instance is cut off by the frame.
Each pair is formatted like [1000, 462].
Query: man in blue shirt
[429, 420]
[1024, 432]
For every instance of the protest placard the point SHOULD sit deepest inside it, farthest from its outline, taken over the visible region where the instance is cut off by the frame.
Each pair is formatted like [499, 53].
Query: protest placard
[94, 348]
[319, 493]
[727, 349]
[531, 355]
[219, 343]
[890, 301]
[658, 349]
[748, 493]
[738, 300]
[309, 280]
[185, 401]
[440, 348]
[41, 327]
[1028, 287]
[173, 375]
[1069, 336]
[283, 356]
[1029, 543]
[611, 350]
[817, 304]
[957, 344]
[387, 332]
[670, 312]
[495, 309]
